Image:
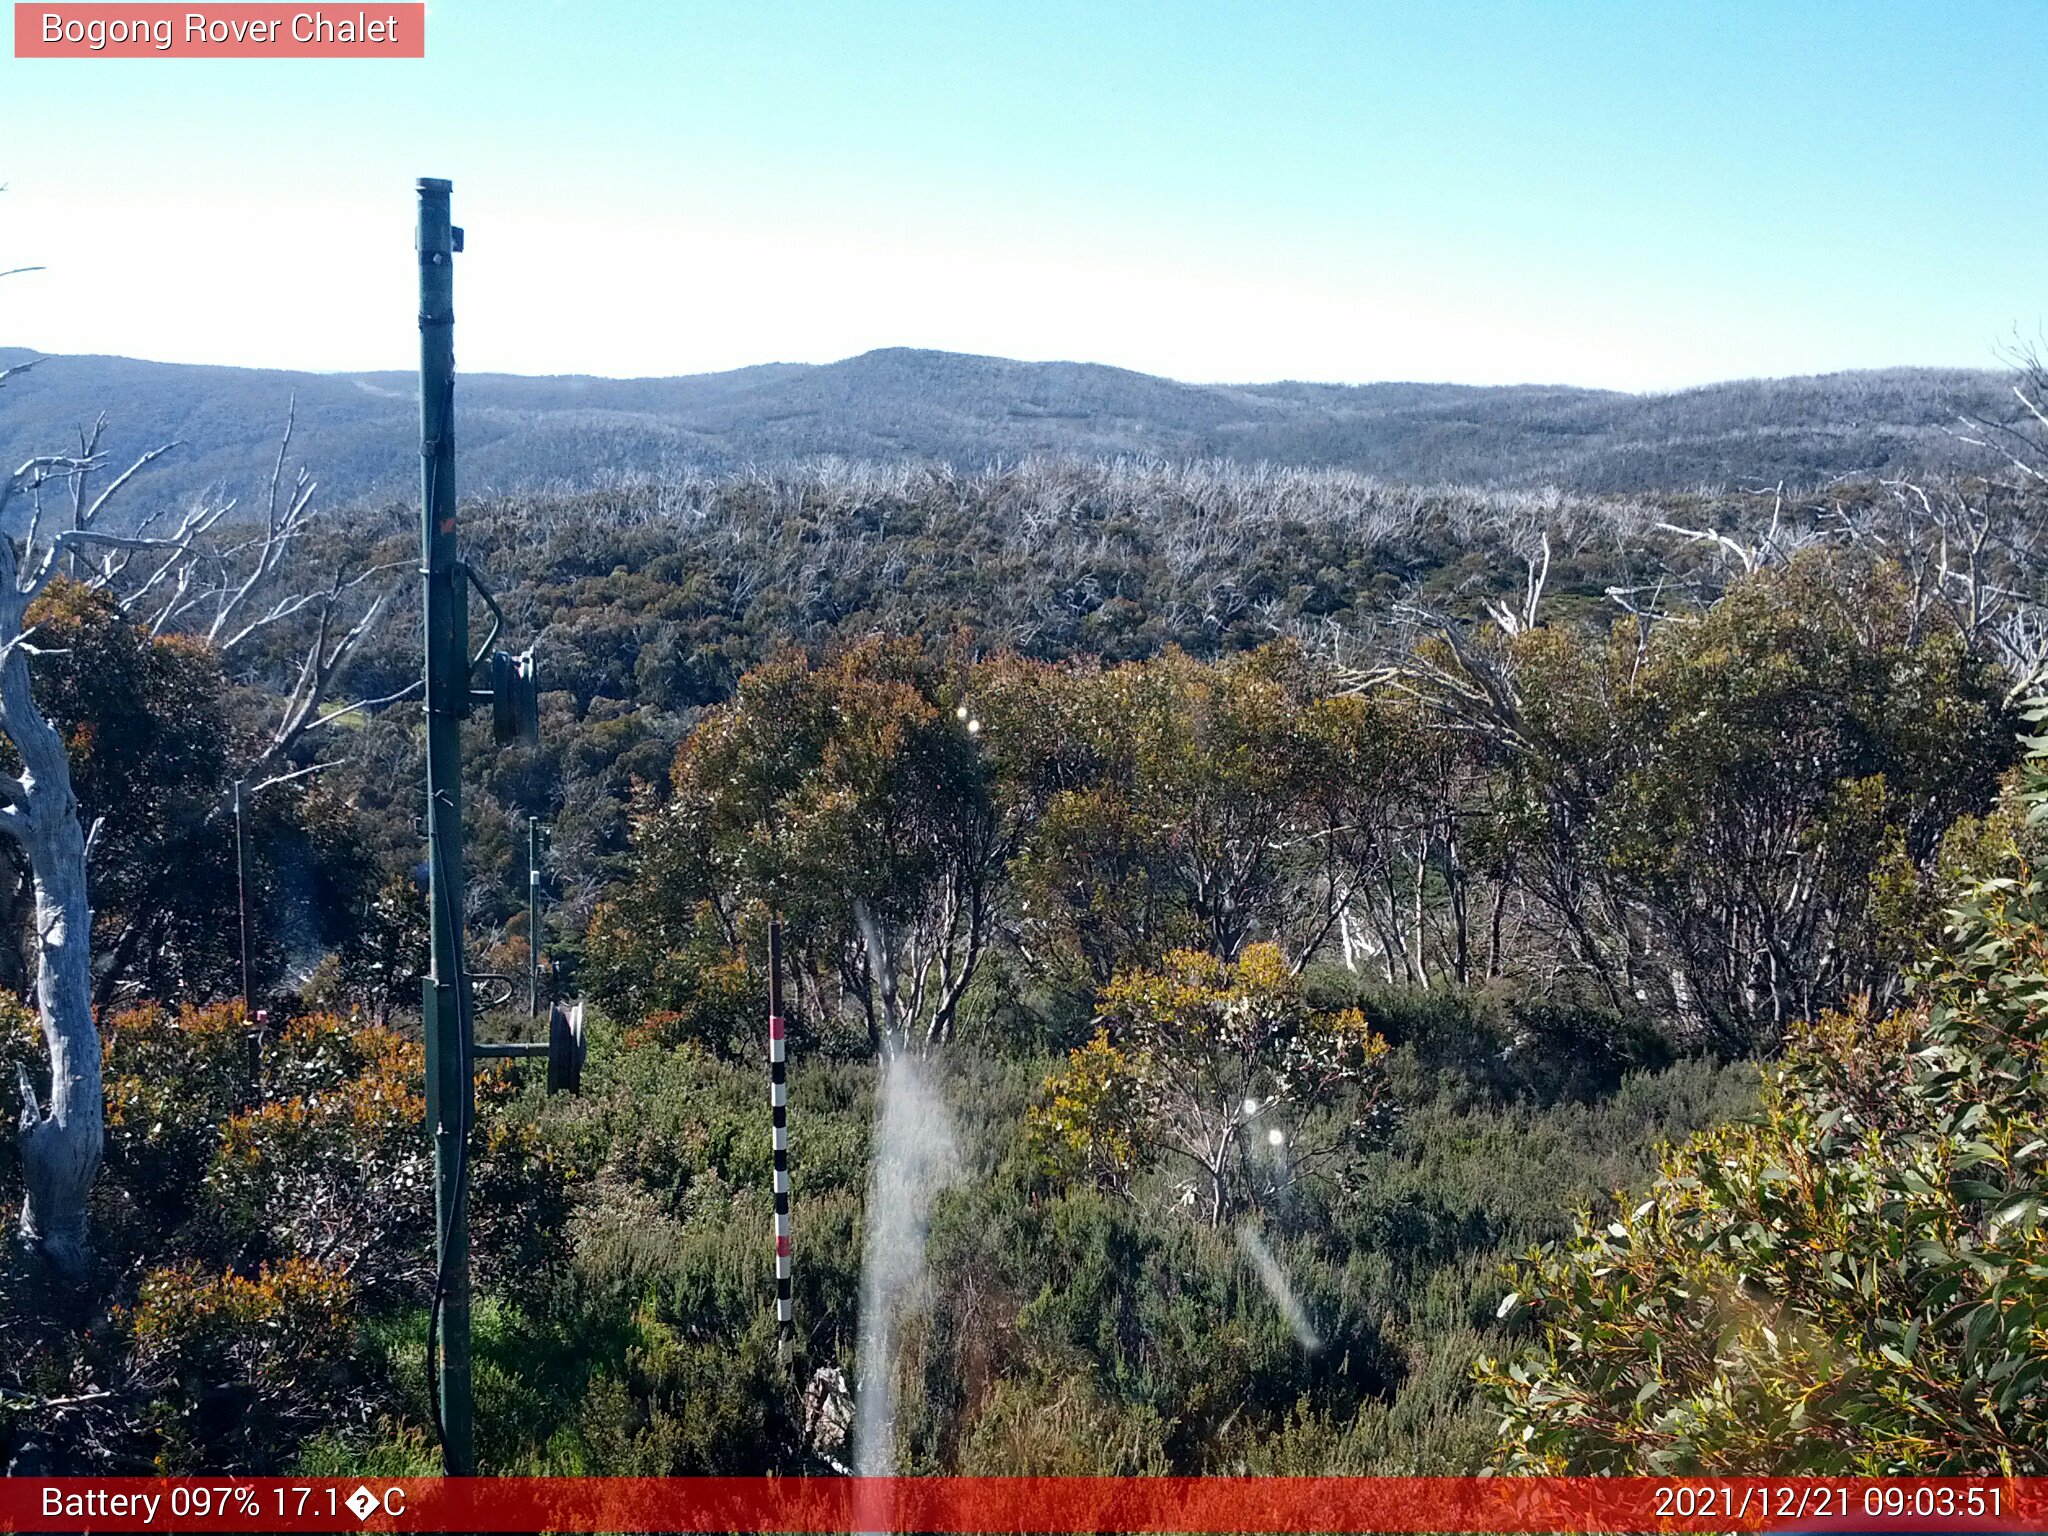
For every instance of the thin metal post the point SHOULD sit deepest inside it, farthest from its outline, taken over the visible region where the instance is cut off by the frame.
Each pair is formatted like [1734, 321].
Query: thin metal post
[446, 1003]
[252, 1031]
[533, 917]
[242, 900]
[778, 1109]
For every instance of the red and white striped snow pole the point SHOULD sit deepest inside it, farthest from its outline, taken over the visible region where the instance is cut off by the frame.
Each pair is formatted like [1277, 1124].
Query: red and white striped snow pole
[778, 1102]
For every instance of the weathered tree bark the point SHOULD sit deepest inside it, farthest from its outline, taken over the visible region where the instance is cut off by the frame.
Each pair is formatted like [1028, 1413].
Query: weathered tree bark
[1461, 916]
[1493, 932]
[61, 1140]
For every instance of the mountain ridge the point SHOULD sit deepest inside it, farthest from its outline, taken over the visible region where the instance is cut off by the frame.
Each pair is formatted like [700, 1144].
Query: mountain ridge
[355, 430]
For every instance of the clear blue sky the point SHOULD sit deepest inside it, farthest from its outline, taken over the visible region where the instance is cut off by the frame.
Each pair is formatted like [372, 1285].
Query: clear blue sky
[1635, 194]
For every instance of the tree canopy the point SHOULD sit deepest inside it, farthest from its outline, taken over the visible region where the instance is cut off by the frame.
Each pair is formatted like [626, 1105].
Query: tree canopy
[1856, 1281]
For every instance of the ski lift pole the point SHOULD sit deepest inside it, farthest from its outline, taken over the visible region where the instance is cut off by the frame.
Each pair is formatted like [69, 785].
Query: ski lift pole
[778, 1105]
[451, 1088]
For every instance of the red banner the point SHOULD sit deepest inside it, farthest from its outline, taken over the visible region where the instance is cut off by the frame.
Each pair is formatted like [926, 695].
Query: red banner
[236, 31]
[993, 1504]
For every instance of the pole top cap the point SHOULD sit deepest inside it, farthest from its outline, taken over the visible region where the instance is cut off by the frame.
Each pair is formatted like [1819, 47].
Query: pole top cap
[435, 184]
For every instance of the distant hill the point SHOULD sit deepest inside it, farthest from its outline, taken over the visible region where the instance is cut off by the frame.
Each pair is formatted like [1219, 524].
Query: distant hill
[357, 431]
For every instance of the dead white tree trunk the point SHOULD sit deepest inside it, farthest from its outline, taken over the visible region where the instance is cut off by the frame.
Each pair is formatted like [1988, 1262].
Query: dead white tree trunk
[60, 1141]
[60, 1137]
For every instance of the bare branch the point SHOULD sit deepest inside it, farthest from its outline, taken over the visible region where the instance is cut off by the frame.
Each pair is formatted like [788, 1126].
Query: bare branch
[296, 773]
[114, 488]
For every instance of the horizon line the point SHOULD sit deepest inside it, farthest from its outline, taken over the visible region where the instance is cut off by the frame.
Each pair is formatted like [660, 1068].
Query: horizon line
[661, 378]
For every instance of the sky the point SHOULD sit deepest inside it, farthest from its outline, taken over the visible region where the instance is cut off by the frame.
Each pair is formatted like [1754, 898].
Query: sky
[1634, 194]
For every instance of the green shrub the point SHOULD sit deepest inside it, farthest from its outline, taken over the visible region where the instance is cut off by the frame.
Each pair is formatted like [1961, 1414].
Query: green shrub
[1856, 1281]
[239, 1367]
[1501, 1043]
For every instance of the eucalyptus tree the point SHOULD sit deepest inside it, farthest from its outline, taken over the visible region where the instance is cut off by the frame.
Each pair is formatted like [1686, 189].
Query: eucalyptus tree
[1850, 1280]
[199, 571]
[1221, 1071]
[1728, 820]
[867, 801]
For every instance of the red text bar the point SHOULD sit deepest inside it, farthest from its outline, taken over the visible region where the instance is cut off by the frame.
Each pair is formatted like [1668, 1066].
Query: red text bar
[993, 1504]
[255, 31]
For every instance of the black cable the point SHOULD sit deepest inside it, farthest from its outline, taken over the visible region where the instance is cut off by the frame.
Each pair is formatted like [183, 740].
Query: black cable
[459, 1202]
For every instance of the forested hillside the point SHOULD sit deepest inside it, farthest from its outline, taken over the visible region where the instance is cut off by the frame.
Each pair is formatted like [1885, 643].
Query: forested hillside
[901, 404]
[1275, 897]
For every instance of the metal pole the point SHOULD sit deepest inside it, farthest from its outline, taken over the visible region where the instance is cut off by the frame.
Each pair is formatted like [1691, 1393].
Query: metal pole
[533, 917]
[778, 1106]
[252, 1033]
[451, 1089]
[242, 900]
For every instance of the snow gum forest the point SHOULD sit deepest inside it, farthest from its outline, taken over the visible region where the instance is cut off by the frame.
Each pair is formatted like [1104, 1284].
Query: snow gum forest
[1286, 970]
